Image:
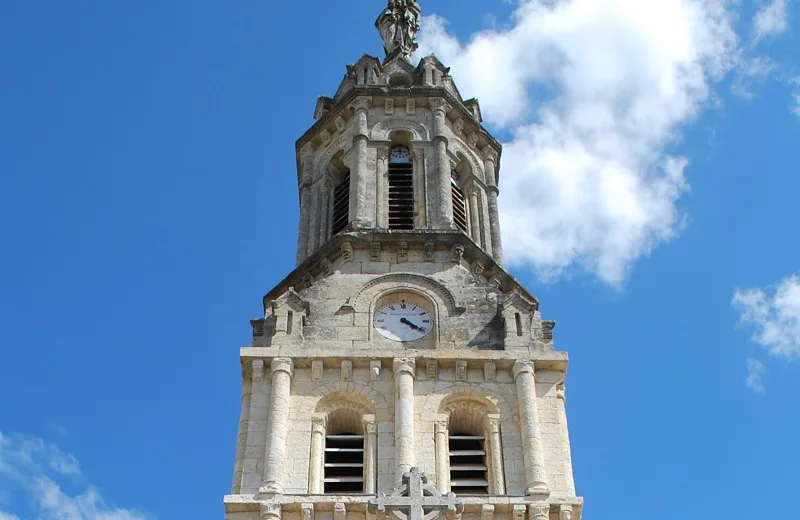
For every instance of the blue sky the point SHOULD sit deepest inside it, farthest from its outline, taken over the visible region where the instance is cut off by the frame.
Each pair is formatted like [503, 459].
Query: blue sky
[148, 201]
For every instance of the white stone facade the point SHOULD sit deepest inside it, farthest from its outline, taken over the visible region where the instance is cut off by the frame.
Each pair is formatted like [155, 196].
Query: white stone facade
[317, 367]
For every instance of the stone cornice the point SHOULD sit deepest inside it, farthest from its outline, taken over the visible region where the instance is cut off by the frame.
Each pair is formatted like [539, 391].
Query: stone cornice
[343, 105]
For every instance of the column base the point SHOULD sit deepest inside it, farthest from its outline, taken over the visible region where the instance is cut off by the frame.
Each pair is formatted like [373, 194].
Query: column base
[270, 488]
[537, 488]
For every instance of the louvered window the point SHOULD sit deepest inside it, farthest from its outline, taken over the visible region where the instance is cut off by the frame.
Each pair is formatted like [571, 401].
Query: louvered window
[344, 463]
[341, 205]
[468, 465]
[459, 205]
[401, 190]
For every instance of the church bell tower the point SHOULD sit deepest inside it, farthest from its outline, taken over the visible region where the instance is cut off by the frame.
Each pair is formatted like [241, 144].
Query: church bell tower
[400, 371]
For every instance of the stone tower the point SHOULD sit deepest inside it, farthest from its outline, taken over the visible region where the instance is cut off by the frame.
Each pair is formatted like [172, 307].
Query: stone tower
[400, 371]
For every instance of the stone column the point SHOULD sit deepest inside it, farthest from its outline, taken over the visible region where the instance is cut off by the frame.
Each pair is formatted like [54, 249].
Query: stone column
[404, 373]
[313, 221]
[442, 456]
[474, 216]
[270, 511]
[370, 455]
[324, 209]
[244, 420]
[564, 431]
[496, 476]
[444, 203]
[489, 166]
[316, 472]
[305, 202]
[532, 452]
[382, 191]
[282, 371]
[358, 169]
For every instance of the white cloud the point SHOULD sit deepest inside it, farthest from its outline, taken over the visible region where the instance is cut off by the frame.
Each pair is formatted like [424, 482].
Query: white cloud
[775, 316]
[32, 465]
[594, 92]
[755, 376]
[796, 97]
[771, 20]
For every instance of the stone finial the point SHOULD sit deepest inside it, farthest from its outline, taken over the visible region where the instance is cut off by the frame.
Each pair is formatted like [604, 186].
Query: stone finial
[258, 327]
[398, 26]
[547, 330]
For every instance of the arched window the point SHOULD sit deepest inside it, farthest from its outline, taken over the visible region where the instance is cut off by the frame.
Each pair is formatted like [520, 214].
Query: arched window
[401, 189]
[459, 203]
[344, 453]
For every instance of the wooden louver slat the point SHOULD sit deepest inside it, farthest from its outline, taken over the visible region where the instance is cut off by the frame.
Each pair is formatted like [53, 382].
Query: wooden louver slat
[401, 196]
[344, 464]
[341, 206]
[459, 207]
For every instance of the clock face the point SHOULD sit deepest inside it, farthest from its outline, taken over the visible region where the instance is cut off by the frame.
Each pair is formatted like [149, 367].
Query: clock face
[402, 321]
[400, 155]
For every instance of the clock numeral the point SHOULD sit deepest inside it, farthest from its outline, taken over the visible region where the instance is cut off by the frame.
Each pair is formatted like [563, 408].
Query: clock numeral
[423, 313]
[391, 307]
[403, 306]
[426, 321]
[380, 321]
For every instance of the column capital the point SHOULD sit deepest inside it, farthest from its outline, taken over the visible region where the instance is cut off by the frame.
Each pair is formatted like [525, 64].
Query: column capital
[488, 154]
[438, 104]
[524, 367]
[361, 103]
[440, 426]
[369, 425]
[493, 423]
[283, 364]
[270, 511]
[408, 365]
[319, 422]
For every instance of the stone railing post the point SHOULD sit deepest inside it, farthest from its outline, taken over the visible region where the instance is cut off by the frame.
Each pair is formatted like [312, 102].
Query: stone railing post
[533, 454]
[280, 396]
[358, 170]
[489, 167]
[404, 374]
[444, 206]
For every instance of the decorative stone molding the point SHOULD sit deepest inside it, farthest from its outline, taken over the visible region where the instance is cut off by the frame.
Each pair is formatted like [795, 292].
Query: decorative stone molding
[490, 371]
[437, 103]
[487, 512]
[258, 327]
[316, 370]
[307, 511]
[518, 512]
[477, 268]
[472, 139]
[361, 103]
[375, 370]
[383, 153]
[428, 251]
[258, 370]
[402, 252]
[431, 368]
[523, 366]
[547, 330]
[388, 107]
[411, 106]
[340, 123]
[361, 299]
[539, 511]
[382, 130]
[283, 364]
[326, 137]
[347, 252]
[347, 370]
[461, 370]
[270, 511]
[488, 154]
[374, 250]
[458, 126]
[458, 253]
[561, 391]
[565, 512]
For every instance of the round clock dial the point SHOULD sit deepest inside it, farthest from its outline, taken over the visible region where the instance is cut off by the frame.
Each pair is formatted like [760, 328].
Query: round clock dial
[400, 155]
[402, 321]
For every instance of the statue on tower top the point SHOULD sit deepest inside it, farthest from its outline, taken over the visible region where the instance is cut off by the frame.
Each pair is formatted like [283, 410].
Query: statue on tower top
[398, 25]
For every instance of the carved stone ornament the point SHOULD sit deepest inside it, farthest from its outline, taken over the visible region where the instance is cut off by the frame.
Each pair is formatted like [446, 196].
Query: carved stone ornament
[307, 511]
[488, 154]
[361, 103]
[375, 370]
[438, 104]
[402, 251]
[458, 253]
[316, 370]
[428, 251]
[388, 108]
[561, 392]
[374, 250]
[270, 511]
[340, 123]
[258, 327]
[565, 512]
[398, 26]
[459, 127]
[487, 512]
[347, 370]
[415, 499]
[473, 140]
[547, 330]
[411, 106]
[325, 267]
[339, 511]
[489, 371]
[477, 268]
[461, 370]
[431, 368]
[518, 512]
[347, 252]
[326, 137]
[539, 511]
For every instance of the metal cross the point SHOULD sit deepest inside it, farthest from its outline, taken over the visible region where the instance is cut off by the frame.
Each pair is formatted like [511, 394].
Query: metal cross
[413, 497]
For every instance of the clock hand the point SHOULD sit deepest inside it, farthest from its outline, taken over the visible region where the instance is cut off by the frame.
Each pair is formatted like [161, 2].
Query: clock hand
[415, 327]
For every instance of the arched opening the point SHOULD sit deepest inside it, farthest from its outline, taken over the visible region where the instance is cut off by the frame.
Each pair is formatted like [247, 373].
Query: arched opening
[460, 172]
[401, 182]
[467, 453]
[344, 452]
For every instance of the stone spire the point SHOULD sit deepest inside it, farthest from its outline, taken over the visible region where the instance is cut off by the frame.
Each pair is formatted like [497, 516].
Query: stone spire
[398, 25]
